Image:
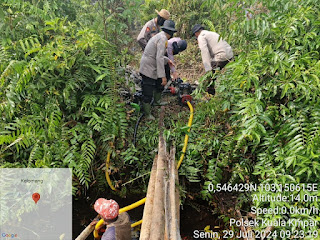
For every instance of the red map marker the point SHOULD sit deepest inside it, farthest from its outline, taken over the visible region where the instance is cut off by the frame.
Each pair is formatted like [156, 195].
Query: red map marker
[36, 197]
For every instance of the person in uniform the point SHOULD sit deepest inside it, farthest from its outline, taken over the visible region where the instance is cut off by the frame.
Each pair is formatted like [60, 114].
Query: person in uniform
[152, 67]
[152, 27]
[215, 52]
[175, 46]
[118, 226]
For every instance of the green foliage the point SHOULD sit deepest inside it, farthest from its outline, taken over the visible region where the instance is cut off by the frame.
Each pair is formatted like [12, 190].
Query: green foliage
[263, 124]
[60, 68]
[272, 91]
[184, 13]
[111, 18]
[58, 99]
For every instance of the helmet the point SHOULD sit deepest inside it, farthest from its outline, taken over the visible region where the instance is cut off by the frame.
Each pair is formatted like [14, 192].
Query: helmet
[108, 209]
[169, 25]
[179, 46]
[196, 28]
[182, 44]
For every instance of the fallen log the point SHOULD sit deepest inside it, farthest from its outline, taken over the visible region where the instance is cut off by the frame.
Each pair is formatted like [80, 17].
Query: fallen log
[86, 232]
[157, 227]
[177, 198]
[148, 207]
[174, 233]
[167, 213]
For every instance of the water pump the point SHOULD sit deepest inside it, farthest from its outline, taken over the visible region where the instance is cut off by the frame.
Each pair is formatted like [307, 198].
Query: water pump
[181, 89]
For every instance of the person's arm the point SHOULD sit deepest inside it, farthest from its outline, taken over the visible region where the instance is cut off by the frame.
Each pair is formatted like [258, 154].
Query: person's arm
[145, 35]
[172, 67]
[170, 56]
[148, 34]
[166, 60]
[161, 47]
[143, 43]
[205, 54]
[175, 75]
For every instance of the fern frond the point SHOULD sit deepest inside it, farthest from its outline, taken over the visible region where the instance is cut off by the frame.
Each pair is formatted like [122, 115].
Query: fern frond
[209, 24]
[314, 128]
[54, 123]
[9, 70]
[89, 101]
[88, 150]
[28, 72]
[35, 154]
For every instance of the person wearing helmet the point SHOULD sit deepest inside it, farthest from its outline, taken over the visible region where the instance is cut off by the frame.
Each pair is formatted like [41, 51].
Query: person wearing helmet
[152, 67]
[118, 226]
[215, 52]
[175, 46]
[152, 27]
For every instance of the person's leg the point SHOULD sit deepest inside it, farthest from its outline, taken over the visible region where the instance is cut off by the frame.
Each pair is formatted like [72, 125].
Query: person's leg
[215, 66]
[221, 65]
[148, 86]
[157, 93]
[210, 87]
[167, 70]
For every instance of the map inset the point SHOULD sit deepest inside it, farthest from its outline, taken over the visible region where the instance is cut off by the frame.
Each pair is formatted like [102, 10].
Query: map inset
[35, 203]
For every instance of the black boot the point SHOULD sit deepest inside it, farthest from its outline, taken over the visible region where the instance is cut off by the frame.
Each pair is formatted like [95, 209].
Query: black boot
[211, 90]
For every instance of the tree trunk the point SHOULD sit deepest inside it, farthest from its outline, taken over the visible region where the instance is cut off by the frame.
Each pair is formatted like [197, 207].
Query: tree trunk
[157, 228]
[148, 207]
[86, 232]
[174, 233]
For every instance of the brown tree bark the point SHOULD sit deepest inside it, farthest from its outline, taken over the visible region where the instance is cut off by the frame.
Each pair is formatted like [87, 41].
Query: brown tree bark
[174, 232]
[148, 207]
[86, 232]
[157, 227]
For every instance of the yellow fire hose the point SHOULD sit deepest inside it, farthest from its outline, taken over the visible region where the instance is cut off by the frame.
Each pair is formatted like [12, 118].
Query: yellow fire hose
[186, 138]
[107, 173]
[136, 223]
[142, 201]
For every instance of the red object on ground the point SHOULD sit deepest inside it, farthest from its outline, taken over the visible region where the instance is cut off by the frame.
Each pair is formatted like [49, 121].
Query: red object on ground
[36, 197]
[173, 90]
[186, 98]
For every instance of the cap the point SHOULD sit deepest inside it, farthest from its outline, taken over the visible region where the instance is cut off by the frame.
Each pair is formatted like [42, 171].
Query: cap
[196, 28]
[108, 209]
[169, 25]
[163, 13]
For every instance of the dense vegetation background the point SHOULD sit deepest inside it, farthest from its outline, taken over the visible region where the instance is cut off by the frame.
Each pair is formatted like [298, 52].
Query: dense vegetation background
[62, 66]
